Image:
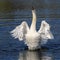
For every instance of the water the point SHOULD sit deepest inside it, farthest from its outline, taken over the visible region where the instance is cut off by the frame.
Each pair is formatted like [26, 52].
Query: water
[30, 55]
[13, 49]
[26, 55]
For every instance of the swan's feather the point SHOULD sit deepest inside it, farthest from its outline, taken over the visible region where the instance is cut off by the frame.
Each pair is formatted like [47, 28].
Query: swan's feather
[45, 32]
[20, 31]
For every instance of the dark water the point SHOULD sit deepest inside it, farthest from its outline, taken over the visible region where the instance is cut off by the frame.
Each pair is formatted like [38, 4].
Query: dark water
[30, 55]
[10, 47]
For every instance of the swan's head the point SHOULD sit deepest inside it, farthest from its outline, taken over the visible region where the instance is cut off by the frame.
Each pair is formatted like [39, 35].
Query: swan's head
[46, 30]
[33, 14]
[33, 8]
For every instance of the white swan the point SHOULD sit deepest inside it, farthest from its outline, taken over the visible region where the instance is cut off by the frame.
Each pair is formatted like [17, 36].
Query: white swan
[30, 36]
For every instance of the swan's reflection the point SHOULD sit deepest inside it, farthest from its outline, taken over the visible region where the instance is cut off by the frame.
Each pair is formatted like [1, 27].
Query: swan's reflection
[34, 55]
[26, 55]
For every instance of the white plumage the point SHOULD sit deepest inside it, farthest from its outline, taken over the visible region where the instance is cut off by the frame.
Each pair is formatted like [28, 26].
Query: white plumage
[30, 36]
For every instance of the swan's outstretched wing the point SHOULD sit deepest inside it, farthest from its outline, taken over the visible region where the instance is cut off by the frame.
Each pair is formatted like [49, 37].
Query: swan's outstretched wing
[45, 32]
[20, 31]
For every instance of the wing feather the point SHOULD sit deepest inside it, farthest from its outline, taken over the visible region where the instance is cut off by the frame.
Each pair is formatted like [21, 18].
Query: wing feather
[45, 32]
[20, 31]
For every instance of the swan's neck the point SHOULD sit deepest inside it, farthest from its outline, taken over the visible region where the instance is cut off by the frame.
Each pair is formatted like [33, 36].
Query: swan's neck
[33, 25]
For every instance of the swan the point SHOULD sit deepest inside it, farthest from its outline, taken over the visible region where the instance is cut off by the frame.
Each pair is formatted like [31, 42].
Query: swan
[30, 36]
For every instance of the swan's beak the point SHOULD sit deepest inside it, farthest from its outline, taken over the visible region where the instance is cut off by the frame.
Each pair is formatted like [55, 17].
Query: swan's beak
[33, 8]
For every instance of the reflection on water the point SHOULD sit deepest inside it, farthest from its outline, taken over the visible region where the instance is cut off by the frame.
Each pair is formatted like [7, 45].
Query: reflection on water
[25, 55]
[34, 55]
[30, 55]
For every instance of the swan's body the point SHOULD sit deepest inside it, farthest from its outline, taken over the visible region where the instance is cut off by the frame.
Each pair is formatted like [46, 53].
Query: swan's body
[30, 36]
